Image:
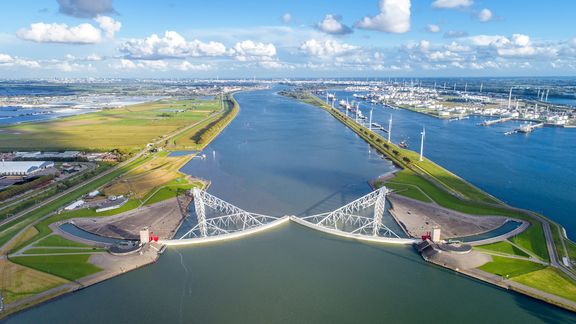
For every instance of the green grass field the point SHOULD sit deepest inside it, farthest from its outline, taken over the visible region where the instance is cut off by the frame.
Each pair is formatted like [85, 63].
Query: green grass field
[533, 239]
[59, 241]
[550, 280]
[71, 267]
[571, 246]
[171, 191]
[20, 282]
[56, 250]
[503, 247]
[408, 191]
[126, 129]
[509, 268]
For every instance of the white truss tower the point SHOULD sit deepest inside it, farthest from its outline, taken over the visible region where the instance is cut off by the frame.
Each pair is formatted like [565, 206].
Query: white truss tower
[346, 218]
[233, 219]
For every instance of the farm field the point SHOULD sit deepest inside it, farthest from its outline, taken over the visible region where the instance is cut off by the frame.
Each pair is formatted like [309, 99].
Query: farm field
[125, 129]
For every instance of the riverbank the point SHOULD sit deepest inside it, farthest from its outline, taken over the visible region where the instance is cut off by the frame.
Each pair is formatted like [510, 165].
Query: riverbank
[425, 180]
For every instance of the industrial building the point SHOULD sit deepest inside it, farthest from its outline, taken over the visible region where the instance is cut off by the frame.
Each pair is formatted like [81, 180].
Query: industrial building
[23, 168]
[60, 156]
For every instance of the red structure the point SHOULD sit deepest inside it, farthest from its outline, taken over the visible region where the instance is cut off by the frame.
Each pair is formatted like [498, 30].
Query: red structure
[153, 238]
[427, 236]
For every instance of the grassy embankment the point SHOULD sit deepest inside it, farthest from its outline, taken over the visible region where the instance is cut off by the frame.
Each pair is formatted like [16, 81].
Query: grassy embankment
[425, 181]
[503, 247]
[70, 267]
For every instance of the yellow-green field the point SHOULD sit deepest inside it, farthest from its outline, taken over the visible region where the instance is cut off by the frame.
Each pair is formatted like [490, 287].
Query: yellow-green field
[125, 129]
[19, 282]
[140, 181]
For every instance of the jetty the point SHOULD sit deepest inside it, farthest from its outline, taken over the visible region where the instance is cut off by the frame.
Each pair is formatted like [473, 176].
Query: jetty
[528, 128]
[496, 121]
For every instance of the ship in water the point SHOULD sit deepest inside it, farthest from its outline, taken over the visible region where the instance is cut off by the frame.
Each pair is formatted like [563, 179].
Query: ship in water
[403, 144]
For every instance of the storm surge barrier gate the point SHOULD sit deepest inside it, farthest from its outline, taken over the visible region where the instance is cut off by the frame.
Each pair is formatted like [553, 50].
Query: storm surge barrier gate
[219, 220]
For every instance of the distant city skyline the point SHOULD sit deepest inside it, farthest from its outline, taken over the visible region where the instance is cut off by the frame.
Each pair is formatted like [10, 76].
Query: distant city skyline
[386, 38]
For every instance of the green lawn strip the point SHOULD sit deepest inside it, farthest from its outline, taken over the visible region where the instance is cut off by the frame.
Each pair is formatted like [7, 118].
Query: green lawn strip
[533, 239]
[167, 192]
[408, 191]
[7, 231]
[447, 200]
[71, 267]
[571, 246]
[558, 237]
[509, 268]
[551, 281]
[59, 241]
[49, 250]
[502, 247]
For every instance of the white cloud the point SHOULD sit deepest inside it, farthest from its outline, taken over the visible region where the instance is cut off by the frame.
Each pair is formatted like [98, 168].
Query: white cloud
[488, 40]
[249, 50]
[187, 66]
[450, 4]
[172, 45]
[61, 33]
[455, 47]
[66, 66]
[5, 58]
[94, 57]
[433, 28]
[331, 24]
[158, 65]
[286, 18]
[521, 40]
[9, 61]
[109, 25]
[327, 48]
[274, 65]
[394, 17]
[484, 15]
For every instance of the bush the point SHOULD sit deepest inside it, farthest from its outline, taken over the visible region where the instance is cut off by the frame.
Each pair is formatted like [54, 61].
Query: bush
[395, 152]
[406, 159]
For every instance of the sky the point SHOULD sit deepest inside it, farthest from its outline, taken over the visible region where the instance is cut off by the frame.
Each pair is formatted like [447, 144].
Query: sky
[286, 39]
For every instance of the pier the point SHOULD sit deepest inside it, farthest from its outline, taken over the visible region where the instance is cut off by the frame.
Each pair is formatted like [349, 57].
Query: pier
[529, 128]
[496, 121]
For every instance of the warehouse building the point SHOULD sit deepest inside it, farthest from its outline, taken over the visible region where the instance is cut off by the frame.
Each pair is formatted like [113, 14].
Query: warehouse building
[23, 168]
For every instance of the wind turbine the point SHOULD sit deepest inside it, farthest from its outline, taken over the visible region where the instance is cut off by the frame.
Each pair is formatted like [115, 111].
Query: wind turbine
[370, 122]
[389, 128]
[423, 133]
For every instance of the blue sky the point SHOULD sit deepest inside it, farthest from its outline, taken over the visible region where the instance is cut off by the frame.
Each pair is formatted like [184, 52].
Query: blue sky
[297, 38]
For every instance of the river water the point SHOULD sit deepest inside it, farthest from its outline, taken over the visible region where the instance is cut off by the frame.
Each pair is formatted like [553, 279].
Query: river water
[283, 157]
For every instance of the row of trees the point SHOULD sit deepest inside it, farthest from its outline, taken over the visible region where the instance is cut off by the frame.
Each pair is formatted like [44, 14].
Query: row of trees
[213, 128]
